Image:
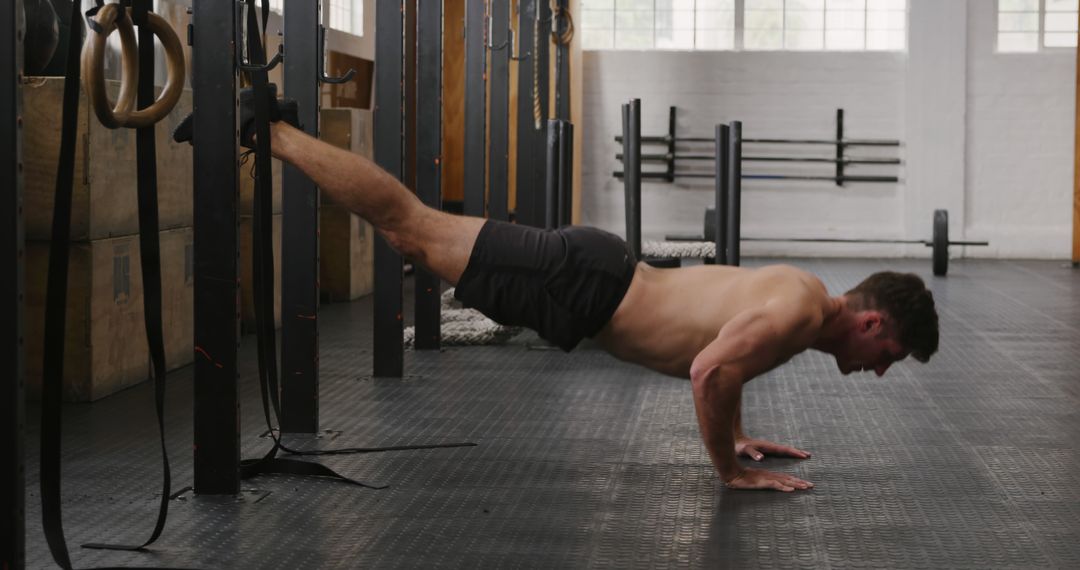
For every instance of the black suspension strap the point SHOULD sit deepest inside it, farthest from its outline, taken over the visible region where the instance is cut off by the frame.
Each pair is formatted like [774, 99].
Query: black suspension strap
[55, 319]
[263, 285]
[56, 305]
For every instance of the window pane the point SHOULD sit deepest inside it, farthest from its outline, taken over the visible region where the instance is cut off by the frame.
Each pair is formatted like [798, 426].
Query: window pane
[1060, 22]
[597, 5]
[1018, 22]
[845, 39]
[854, 5]
[597, 19]
[1060, 39]
[675, 5]
[763, 20]
[633, 39]
[880, 40]
[1061, 5]
[715, 20]
[1018, 41]
[804, 5]
[675, 20]
[715, 40]
[763, 39]
[675, 39]
[804, 39]
[598, 39]
[1018, 5]
[886, 20]
[634, 20]
[727, 5]
[634, 5]
[776, 5]
[845, 20]
[804, 20]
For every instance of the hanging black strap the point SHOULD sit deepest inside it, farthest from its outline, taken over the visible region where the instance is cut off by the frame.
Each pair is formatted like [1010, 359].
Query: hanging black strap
[263, 271]
[56, 301]
[263, 268]
[56, 305]
[150, 254]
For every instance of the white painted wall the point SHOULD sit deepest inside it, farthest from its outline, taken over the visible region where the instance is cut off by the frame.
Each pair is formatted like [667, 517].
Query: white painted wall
[986, 135]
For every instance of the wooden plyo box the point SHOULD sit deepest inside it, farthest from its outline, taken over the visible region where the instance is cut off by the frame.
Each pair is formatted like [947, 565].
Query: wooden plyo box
[346, 242]
[104, 202]
[106, 349]
[346, 255]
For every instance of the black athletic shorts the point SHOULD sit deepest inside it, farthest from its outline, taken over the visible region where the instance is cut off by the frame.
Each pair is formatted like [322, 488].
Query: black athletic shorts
[565, 284]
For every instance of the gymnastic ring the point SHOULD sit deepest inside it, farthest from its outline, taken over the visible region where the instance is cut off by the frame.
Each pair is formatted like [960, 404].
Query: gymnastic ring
[174, 75]
[174, 65]
[111, 17]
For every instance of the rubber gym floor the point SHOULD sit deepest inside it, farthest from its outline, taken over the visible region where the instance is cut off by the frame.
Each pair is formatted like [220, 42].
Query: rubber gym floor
[583, 461]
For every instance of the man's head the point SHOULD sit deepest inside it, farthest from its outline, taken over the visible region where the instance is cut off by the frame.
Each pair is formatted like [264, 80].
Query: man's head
[893, 316]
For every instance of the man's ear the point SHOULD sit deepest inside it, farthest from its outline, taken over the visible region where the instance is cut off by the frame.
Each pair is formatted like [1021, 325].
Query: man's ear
[872, 322]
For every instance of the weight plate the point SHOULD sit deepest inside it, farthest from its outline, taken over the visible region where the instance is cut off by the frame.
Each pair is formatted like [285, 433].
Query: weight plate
[710, 224]
[664, 262]
[941, 242]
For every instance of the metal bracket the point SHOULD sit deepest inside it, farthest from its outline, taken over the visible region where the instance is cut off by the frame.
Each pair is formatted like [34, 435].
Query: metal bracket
[323, 77]
[246, 66]
[511, 42]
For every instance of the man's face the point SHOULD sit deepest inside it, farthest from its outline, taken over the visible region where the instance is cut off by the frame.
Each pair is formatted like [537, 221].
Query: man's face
[870, 346]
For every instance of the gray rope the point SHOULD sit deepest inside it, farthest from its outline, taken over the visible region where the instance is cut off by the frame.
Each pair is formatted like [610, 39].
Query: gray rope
[679, 249]
[465, 327]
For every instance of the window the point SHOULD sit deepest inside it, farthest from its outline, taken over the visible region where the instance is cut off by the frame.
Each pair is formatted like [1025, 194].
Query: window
[744, 24]
[345, 15]
[1035, 25]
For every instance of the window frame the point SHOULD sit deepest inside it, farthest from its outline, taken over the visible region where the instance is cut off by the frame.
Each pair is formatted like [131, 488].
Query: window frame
[739, 35]
[1041, 46]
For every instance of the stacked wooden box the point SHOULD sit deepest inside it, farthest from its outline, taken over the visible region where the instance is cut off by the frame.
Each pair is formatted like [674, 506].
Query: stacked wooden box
[105, 349]
[346, 242]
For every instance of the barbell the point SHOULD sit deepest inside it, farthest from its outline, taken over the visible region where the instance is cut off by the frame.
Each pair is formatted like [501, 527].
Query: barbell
[939, 242]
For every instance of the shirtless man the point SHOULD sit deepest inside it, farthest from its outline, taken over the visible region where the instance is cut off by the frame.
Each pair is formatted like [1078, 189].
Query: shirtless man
[718, 326]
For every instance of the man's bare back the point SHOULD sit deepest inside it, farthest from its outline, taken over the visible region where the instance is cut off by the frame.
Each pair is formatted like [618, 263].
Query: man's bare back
[669, 316]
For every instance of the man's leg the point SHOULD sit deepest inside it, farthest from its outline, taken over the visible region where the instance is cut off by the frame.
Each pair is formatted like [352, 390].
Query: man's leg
[439, 241]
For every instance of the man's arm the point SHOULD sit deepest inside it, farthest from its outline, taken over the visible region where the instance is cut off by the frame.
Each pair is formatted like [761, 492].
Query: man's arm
[756, 449]
[750, 344]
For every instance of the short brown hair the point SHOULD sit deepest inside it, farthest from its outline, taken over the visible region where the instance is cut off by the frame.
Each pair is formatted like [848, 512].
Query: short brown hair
[910, 306]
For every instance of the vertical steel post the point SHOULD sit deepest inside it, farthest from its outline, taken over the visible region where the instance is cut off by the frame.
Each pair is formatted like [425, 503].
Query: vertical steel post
[12, 397]
[389, 357]
[566, 173]
[722, 189]
[632, 174]
[562, 65]
[671, 145]
[839, 147]
[551, 187]
[499, 106]
[734, 213]
[540, 60]
[216, 257]
[428, 158]
[524, 210]
[475, 108]
[300, 232]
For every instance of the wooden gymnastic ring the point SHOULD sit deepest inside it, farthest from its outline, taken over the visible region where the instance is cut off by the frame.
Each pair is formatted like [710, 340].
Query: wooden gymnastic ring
[174, 76]
[125, 114]
[111, 17]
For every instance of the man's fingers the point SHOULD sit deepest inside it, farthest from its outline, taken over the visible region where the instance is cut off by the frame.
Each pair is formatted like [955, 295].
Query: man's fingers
[779, 486]
[777, 449]
[753, 453]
